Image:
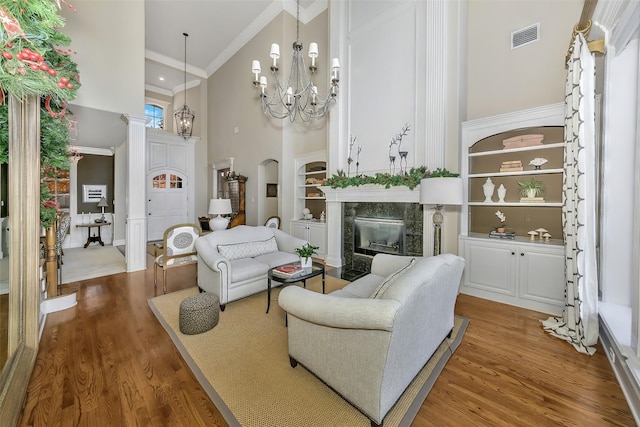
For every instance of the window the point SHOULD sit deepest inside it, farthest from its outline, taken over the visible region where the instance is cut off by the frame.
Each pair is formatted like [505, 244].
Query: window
[155, 116]
[160, 181]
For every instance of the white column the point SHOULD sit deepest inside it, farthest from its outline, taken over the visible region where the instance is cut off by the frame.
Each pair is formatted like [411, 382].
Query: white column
[136, 218]
[334, 256]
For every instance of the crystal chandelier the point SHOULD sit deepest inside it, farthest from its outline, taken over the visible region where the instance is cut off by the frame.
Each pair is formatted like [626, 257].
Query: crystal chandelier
[185, 116]
[299, 97]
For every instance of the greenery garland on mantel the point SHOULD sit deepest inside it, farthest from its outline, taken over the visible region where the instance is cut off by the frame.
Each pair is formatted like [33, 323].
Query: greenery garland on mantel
[411, 179]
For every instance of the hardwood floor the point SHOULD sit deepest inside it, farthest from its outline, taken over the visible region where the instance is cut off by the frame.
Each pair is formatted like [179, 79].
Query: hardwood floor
[108, 362]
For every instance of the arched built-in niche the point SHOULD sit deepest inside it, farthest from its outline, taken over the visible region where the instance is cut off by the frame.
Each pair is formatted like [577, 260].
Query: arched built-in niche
[268, 190]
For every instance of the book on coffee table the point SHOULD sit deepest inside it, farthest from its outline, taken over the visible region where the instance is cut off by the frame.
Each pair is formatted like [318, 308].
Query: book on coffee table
[288, 270]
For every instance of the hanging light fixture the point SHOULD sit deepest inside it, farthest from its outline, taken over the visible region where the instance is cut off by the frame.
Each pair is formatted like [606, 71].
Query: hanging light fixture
[299, 97]
[185, 116]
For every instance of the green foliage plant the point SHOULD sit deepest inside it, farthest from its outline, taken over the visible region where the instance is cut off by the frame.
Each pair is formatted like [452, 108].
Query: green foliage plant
[411, 179]
[306, 251]
[531, 185]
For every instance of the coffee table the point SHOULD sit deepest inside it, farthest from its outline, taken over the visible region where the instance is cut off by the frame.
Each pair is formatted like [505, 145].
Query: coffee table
[316, 269]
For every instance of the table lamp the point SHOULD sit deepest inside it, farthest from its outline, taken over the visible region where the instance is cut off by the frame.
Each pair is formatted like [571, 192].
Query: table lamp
[439, 192]
[219, 207]
[102, 204]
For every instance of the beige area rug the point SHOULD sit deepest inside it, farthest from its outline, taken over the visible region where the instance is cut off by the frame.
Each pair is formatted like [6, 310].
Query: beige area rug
[94, 261]
[243, 365]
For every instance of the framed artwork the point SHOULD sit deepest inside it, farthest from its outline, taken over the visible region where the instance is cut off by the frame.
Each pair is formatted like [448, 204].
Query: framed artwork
[272, 190]
[93, 193]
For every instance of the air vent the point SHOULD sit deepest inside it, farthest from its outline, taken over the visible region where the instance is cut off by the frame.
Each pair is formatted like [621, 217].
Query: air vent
[525, 36]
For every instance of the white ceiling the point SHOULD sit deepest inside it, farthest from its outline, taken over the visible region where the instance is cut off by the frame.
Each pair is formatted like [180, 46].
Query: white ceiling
[216, 28]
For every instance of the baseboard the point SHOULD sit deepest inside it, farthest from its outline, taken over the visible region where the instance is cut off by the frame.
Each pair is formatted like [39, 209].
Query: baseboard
[619, 363]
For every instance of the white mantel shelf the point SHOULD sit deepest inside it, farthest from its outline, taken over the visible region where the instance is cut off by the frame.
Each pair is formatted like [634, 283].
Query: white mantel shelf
[372, 193]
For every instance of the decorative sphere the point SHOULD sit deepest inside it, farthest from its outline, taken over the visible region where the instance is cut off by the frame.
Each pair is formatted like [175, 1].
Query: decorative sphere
[306, 211]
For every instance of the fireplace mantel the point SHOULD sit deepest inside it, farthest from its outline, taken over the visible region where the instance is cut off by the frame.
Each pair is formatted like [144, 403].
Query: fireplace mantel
[372, 193]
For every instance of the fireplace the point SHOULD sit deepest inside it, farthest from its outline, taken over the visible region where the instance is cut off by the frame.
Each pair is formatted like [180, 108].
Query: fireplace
[392, 228]
[378, 235]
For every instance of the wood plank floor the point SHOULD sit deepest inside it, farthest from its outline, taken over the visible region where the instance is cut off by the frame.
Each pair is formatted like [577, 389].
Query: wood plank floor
[108, 362]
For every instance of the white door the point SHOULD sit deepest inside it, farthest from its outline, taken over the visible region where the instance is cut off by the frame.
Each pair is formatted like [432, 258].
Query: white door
[167, 202]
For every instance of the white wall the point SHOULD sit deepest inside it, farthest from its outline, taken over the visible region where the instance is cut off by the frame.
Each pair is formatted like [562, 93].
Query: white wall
[619, 145]
[108, 37]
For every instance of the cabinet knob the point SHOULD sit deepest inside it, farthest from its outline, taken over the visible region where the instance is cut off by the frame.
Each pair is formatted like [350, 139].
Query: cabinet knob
[521, 253]
[513, 253]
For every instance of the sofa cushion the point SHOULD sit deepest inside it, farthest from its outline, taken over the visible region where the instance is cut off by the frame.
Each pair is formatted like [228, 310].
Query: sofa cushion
[248, 249]
[391, 279]
[361, 288]
[247, 268]
[275, 259]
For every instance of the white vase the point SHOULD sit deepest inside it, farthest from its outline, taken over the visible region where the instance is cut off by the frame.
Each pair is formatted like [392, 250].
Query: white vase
[487, 188]
[306, 262]
[501, 193]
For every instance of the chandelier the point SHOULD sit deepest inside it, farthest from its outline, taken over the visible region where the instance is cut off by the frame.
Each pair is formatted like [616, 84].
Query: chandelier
[185, 116]
[298, 97]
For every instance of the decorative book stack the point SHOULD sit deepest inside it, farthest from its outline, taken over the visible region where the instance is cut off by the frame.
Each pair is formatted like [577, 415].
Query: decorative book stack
[511, 235]
[531, 199]
[287, 270]
[511, 166]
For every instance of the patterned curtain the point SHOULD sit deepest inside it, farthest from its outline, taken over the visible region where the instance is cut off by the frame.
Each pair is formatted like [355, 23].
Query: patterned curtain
[579, 322]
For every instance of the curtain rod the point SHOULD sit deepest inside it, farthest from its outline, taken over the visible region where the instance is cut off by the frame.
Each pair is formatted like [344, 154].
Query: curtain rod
[583, 27]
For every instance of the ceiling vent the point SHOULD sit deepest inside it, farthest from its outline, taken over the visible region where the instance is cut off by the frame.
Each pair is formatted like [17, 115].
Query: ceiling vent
[525, 36]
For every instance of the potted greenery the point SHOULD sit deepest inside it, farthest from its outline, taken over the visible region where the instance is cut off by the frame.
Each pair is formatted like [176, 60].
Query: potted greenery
[531, 188]
[305, 252]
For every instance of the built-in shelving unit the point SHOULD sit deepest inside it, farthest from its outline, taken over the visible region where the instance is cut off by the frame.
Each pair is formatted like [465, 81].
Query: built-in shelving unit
[519, 271]
[311, 173]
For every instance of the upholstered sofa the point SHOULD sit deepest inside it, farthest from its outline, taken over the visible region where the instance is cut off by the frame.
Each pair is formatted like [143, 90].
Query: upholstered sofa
[233, 263]
[369, 339]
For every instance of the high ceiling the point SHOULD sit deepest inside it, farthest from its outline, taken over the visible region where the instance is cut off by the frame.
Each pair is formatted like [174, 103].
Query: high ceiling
[216, 28]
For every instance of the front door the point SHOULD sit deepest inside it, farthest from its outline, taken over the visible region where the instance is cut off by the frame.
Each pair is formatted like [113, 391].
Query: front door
[167, 204]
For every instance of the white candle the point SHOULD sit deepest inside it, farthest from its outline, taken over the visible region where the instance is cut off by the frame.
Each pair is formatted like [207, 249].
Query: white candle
[313, 50]
[275, 54]
[289, 93]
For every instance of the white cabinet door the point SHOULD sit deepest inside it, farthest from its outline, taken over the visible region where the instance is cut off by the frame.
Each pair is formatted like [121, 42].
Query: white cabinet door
[491, 267]
[542, 275]
[318, 237]
[299, 230]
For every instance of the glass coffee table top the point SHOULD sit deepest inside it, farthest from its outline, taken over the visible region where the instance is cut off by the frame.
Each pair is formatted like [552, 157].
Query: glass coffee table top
[316, 269]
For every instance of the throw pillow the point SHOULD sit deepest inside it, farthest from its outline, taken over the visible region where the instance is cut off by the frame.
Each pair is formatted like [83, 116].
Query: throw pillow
[390, 279]
[248, 249]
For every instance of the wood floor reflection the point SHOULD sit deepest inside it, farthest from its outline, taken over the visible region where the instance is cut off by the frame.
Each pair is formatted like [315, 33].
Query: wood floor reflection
[108, 362]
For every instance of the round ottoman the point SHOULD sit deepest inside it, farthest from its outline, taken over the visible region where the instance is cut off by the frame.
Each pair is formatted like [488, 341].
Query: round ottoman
[199, 313]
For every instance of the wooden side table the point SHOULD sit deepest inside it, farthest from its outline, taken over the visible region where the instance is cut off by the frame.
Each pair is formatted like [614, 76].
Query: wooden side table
[93, 238]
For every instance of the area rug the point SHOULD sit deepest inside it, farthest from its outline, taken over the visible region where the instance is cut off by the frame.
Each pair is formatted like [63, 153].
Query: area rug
[94, 261]
[243, 365]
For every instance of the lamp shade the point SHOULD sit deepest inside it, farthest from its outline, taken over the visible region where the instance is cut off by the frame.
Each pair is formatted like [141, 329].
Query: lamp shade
[219, 206]
[441, 191]
[103, 203]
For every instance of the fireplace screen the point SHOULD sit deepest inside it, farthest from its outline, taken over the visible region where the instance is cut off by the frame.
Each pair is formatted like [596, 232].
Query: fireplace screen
[379, 235]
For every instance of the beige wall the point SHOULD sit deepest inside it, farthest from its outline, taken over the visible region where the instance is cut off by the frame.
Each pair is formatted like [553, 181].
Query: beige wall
[236, 125]
[502, 80]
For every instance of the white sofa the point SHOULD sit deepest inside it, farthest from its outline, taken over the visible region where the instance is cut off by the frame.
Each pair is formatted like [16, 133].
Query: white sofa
[369, 340]
[234, 263]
